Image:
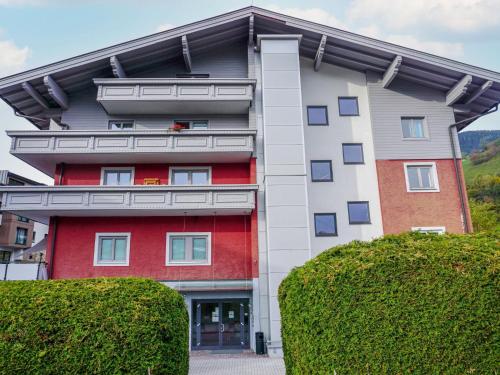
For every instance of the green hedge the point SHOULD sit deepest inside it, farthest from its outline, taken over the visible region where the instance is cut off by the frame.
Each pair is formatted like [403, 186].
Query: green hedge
[408, 304]
[92, 326]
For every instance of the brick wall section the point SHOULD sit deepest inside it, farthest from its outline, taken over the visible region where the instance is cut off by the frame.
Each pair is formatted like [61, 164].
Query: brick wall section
[402, 210]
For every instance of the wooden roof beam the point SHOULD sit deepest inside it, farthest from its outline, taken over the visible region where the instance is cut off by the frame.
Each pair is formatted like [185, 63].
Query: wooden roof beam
[392, 71]
[30, 90]
[56, 92]
[459, 90]
[185, 53]
[479, 91]
[320, 53]
[117, 67]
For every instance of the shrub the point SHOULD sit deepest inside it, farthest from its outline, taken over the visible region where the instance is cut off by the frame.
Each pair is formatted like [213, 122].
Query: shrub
[92, 326]
[485, 216]
[408, 304]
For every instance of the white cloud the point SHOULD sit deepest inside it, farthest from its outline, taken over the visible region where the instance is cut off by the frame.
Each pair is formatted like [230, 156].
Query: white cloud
[459, 16]
[317, 15]
[164, 27]
[12, 58]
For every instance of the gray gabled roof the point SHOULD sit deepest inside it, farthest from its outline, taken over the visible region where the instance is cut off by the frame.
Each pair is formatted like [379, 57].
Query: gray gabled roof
[342, 48]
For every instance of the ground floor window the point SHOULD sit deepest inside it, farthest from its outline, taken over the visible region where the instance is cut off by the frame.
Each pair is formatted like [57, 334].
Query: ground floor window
[4, 256]
[438, 230]
[219, 324]
[112, 249]
[188, 248]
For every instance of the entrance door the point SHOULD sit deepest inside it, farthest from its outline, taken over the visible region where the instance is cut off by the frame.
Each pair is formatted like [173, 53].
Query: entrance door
[220, 324]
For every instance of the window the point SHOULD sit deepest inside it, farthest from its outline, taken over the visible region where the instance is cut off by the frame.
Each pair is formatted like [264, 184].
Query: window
[321, 171]
[436, 230]
[348, 106]
[112, 249]
[121, 125]
[188, 249]
[117, 176]
[413, 128]
[15, 182]
[194, 124]
[359, 212]
[325, 225]
[353, 153]
[317, 115]
[421, 177]
[190, 176]
[21, 236]
[23, 219]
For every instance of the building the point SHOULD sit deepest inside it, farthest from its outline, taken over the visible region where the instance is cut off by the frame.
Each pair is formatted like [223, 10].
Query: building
[216, 156]
[17, 233]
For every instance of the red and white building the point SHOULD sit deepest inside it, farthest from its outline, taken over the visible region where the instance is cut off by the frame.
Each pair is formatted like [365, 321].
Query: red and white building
[216, 156]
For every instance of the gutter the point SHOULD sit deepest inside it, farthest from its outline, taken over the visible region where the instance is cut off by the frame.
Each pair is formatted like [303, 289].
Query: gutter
[461, 193]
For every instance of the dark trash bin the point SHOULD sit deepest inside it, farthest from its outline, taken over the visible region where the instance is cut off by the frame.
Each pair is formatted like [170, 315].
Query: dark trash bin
[260, 346]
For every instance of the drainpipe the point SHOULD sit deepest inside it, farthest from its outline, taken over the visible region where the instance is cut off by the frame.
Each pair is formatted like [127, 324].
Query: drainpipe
[54, 230]
[461, 193]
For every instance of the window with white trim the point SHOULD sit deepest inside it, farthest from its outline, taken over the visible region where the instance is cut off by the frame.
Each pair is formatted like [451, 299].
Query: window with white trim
[188, 248]
[436, 230]
[190, 176]
[421, 177]
[112, 249]
[413, 128]
[121, 125]
[117, 176]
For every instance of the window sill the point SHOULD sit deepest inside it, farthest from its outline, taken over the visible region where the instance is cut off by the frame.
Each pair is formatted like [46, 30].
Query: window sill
[186, 264]
[423, 191]
[111, 264]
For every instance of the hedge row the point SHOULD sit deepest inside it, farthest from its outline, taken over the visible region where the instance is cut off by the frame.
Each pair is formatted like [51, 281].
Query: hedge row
[100, 326]
[408, 304]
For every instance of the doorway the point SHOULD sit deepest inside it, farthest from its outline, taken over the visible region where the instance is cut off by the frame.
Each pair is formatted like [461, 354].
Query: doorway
[220, 324]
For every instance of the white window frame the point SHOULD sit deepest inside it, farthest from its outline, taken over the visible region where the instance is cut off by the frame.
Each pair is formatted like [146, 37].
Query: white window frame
[105, 169]
[425, 128]
[434, 177]
[98, 263]
[440, 230]
[208, 262]
[188, 168]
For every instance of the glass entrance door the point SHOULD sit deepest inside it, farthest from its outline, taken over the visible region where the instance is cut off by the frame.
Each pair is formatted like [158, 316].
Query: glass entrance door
[220, 324]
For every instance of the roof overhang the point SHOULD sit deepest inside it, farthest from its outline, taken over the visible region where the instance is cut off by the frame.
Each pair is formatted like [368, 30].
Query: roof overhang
[472, 90]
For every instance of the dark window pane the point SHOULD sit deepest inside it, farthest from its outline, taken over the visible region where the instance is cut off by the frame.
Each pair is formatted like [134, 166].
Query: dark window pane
[353, 153]
[348, 106]
[21, 236]
[359, 212]
[325, 224]
[317, 116]
[321, 170]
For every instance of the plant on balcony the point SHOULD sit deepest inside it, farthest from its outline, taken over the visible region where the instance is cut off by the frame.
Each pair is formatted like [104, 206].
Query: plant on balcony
[177, 127]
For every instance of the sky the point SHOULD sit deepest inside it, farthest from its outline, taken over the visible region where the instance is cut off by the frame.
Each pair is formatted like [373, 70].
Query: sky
[39, 32]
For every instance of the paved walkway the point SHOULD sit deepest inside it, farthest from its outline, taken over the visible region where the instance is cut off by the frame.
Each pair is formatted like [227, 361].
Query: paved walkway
[207, 363]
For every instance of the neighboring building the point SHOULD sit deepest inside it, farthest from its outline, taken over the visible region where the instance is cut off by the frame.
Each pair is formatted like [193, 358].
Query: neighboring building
[217, 156]
[17, 232]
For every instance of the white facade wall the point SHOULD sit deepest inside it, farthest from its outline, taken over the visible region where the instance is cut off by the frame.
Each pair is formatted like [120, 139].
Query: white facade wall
[350, 182]
[40, 231]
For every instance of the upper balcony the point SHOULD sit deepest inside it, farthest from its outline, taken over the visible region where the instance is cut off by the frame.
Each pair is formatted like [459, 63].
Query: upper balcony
[158, 96]
[45, 149]
[41, 202]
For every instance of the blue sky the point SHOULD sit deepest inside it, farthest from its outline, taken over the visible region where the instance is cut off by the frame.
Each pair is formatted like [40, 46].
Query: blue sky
[38, 32]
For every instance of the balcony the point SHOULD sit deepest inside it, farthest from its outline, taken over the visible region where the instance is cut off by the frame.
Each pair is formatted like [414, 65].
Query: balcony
[44, 149]
[123, 96]
[41, 202]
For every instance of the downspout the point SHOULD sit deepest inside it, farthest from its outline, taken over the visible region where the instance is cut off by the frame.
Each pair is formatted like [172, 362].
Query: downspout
[54, 230]
[461, 193]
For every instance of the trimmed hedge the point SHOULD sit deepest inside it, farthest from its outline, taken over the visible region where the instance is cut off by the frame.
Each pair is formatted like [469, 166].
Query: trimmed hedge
[92, 326]
[408, 304]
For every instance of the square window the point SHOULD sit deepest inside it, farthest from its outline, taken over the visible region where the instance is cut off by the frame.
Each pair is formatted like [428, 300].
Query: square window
[325, 225]
[359, 212]
[353, 153]
[188, 249]
[321, 171]
[115, 177]
[348, 106]
[317, 115]
[421, 177]
[112, 249]
[413, 128]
